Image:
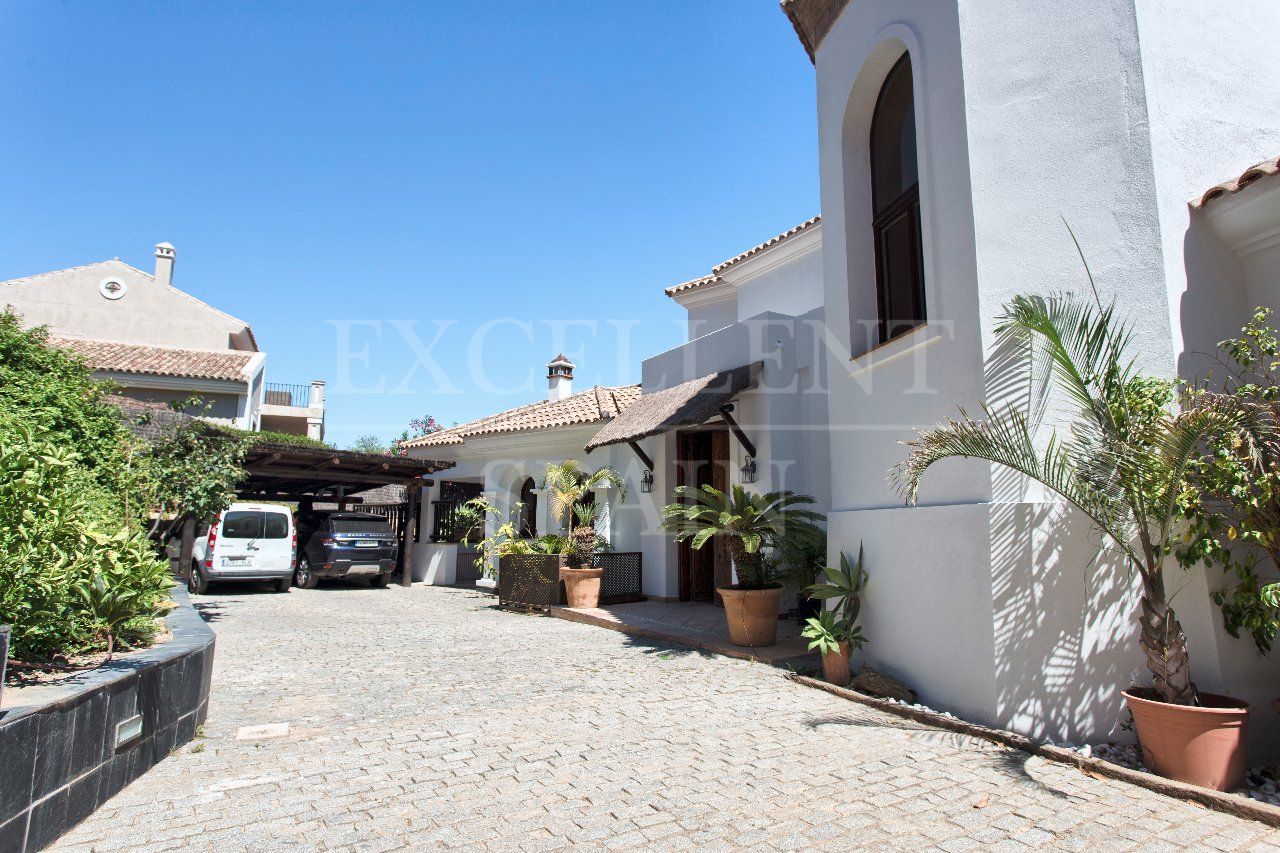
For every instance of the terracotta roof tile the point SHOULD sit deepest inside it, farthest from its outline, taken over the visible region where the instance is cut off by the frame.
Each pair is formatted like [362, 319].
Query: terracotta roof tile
[693, 284]
[1267, 167]
[158, 361]
[715, 277]
[590, 406]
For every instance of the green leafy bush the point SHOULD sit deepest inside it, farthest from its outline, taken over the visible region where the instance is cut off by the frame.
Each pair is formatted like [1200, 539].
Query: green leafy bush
[65, 586]
[50, 392]
[267, 436]
[1233, 502]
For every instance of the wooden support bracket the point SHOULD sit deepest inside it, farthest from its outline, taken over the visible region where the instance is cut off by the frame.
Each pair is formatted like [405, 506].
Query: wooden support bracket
[644, 457]
[726, 412]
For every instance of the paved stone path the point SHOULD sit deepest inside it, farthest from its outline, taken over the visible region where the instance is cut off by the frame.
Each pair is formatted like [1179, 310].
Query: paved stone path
[425, 718]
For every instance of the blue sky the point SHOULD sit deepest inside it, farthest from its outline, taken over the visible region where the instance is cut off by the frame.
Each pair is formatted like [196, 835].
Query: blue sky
[487, 181]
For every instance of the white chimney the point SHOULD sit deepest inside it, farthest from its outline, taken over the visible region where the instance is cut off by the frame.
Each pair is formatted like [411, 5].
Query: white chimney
[165, 256]
[559, 378]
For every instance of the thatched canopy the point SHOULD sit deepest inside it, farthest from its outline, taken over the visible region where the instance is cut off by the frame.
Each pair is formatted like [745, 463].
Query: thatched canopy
[813, 19]
[687, 404]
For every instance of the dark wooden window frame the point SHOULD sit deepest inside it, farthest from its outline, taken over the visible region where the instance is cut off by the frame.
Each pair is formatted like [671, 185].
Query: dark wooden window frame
[529, 512]
[907, 204]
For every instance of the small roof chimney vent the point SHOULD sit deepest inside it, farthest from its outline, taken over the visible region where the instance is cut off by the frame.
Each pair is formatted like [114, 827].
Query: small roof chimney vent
[166, 255]
[559, 378]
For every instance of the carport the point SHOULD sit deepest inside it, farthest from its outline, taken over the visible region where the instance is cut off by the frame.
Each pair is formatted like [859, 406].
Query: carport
[296, 473]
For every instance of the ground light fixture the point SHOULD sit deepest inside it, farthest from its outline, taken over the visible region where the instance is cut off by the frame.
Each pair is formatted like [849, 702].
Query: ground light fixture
[749, 470]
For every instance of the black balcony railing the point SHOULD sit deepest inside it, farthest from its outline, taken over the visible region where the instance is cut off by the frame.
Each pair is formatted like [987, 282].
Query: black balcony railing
[284, 394]
[449, 524]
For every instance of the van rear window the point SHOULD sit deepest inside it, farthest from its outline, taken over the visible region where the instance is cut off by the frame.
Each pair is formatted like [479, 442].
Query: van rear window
[275, 526]
[255, 525]
[361, 525]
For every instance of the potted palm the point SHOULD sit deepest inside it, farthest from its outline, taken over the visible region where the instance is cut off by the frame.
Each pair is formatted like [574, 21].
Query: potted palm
[570, 487]
[747, 523]
[1123, 462]
[835, 633]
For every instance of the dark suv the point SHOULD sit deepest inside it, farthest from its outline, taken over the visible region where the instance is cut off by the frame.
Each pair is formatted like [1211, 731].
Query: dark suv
[344, 545]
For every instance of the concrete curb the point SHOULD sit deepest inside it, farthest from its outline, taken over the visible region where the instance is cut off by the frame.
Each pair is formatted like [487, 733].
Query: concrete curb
[1216, 800]
[71, 746]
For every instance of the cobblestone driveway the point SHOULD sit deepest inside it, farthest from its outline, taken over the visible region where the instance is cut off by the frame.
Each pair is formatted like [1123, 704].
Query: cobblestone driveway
[424, 718]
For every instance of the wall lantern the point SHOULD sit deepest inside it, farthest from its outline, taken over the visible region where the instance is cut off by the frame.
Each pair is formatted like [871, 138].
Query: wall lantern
[749, 470]
[646, 481]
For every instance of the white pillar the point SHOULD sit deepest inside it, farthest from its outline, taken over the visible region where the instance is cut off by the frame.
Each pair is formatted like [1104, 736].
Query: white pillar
[542, 514]
[604, 511]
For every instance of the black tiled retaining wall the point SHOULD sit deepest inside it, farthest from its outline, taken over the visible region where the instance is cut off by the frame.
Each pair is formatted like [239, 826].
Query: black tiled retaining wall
[58, 755]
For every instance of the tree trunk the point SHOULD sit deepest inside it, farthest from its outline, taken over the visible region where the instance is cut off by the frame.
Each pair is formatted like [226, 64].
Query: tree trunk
[188, 542]
[582, 548]
[747, 565]
[1165, 645]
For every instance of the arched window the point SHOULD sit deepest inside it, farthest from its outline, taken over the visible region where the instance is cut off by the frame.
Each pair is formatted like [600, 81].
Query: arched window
[529, 512]
[895, 192]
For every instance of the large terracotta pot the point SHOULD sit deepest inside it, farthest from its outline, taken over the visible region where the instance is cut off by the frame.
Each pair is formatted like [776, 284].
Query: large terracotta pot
[835, 666]
[582, 586]
[1203, 745]
[751, 614]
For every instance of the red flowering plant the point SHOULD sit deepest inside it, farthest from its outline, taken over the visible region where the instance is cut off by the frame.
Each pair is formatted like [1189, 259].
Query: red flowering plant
[418, 427]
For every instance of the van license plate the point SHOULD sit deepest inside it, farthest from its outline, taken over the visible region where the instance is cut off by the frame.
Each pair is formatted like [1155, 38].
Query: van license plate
[236, 561]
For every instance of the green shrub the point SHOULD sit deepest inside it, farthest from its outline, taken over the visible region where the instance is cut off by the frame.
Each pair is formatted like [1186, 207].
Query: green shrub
[65, 585]
[267, 436]
[51, 393]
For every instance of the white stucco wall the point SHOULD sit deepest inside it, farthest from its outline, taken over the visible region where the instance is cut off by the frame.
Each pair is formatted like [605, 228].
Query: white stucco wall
[710, 312]
[986, 598]
[783, 279]
[1198, 61]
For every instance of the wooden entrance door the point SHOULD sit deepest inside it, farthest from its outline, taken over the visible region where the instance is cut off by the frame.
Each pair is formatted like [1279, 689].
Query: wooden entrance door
[702, 459]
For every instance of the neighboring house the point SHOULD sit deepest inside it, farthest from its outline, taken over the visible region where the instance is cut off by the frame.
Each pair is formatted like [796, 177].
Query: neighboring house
[159, 344]
[954, 141]
[504, 458]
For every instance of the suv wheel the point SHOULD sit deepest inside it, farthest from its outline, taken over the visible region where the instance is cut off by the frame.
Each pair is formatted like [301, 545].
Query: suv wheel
[197, 583]
[302, 576]
[379, 581]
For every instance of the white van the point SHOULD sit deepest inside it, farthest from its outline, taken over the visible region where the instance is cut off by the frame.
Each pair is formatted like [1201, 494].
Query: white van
[247, 542]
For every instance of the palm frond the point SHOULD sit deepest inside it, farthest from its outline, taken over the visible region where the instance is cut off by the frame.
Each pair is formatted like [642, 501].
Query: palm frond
[1083, 345]
[1005, 439]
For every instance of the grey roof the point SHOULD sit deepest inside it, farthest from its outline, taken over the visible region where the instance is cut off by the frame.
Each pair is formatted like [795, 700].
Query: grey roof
[687, 404]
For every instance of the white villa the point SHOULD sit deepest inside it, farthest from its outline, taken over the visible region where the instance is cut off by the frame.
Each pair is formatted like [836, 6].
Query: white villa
[961, 145]
[160, 344]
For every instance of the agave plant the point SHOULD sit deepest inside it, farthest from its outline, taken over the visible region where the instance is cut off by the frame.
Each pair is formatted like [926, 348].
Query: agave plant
[569, 485]
[845, 585]
[746, 521]
[1122, 461]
